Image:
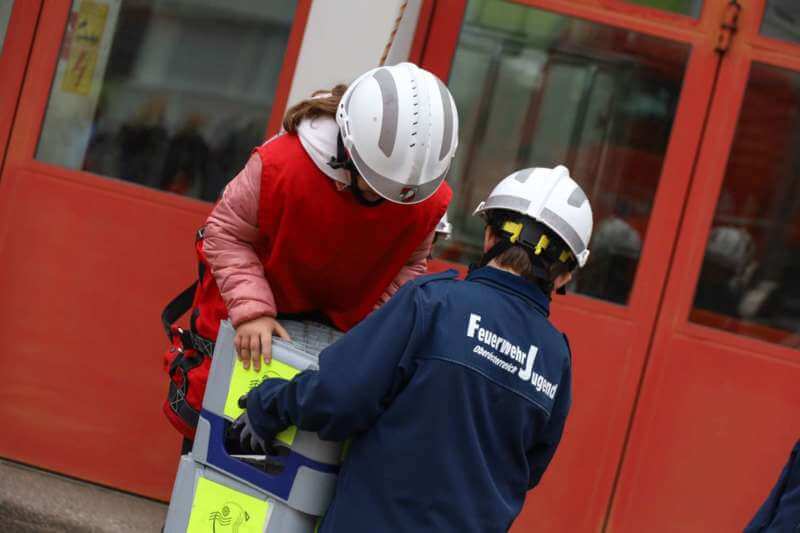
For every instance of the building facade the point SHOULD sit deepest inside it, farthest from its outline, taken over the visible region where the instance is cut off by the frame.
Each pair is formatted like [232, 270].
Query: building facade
[121, 121]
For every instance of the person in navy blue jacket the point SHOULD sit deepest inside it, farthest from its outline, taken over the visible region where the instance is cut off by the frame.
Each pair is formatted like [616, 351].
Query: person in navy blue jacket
[454, 393]
[780, 513]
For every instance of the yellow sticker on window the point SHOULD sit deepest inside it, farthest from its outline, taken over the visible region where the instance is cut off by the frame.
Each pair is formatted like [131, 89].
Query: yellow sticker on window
[219, 509]
[84, 47]
[242, 381]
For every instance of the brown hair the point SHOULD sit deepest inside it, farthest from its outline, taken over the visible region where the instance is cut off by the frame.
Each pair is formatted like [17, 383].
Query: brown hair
[314, 107]
[516, 259]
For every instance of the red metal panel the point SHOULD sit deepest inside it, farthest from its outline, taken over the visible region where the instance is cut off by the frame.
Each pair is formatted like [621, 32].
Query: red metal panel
[88, 264]
[421, 32]
[606, 369]
[718, 412]
[443, 36]
[654, 13]
[13, 60]
[81, 344]
[713, 429]
[650, 13]
[38, 78]
[645, 20]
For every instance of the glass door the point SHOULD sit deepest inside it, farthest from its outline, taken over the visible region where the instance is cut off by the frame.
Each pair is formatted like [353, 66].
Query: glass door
[617, 91]
[720, 404]
[133, 115]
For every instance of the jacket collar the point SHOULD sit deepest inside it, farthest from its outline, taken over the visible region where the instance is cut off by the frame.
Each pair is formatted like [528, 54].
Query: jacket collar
[318, 137]
[511, 283]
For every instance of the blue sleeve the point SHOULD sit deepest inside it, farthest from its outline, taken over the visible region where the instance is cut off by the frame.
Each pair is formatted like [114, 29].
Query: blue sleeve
[782, 507]
[359, 375]
[541, 454]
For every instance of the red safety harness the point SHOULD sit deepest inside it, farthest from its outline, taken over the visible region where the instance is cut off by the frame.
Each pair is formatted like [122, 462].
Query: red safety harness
[188, 359]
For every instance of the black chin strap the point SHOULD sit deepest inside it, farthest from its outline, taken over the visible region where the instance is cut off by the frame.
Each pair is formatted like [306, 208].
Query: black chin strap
[499, 247]
[342, 160]
[359, 194]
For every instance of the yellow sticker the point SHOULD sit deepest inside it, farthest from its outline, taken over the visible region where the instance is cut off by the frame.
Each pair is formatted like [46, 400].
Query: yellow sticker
[242, 381]
[90, 24]
[514, 228]
[219, 509]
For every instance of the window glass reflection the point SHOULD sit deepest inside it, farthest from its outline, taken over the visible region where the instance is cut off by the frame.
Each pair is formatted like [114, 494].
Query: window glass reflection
[538, 89]
[750, 279]
[170, 94]
[782, 20]
[5, 15]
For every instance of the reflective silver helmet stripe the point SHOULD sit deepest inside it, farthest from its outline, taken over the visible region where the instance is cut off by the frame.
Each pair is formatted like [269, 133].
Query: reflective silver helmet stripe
[388, 89]
[577, 198]
[560, 226]
[392, 190]
[447, 108]
[523, 175]
[504, 201]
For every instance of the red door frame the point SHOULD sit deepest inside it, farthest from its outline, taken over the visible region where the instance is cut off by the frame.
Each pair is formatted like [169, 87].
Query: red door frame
[289, 64]
[13, 61]
[705, 456]
[90, 405]
[627, 349]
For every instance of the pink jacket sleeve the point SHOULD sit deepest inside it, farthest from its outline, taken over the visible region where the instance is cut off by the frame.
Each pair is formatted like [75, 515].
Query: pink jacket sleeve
[230, 235]
[416, 266]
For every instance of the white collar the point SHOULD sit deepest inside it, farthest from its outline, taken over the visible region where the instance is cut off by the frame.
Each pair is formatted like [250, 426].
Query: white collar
[319, 139]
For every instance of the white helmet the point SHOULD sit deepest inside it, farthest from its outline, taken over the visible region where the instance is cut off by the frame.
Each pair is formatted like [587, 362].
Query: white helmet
[400, 127]
[551, 197]
[444, 228]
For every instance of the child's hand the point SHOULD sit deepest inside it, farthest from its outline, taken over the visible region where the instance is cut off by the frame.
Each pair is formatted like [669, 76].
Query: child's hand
[254, 340]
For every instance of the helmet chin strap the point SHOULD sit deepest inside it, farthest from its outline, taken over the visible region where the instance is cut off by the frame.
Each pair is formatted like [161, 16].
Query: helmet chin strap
[342, 160]
[359, 194]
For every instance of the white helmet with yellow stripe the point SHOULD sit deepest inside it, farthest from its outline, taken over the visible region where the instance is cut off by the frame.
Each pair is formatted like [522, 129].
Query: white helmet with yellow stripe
[551, 197]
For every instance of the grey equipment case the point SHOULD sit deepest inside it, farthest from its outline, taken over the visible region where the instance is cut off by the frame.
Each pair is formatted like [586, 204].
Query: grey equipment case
[205, 500]
[290, 489]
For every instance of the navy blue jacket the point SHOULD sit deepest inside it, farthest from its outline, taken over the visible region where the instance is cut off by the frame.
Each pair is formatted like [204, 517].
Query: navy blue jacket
[780, 513]
[455, 394]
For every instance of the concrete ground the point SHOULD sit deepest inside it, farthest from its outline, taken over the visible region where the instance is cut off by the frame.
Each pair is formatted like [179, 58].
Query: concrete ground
[34, 501]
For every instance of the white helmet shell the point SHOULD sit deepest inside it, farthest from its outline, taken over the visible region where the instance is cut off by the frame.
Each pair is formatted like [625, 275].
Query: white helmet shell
[400, 126]
[549, 196]
[444, 228]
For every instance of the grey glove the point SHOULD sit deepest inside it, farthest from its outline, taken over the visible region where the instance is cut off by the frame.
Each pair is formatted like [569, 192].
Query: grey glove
[247, 433]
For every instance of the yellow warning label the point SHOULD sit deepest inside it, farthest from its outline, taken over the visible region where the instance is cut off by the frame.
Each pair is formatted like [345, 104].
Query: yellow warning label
[84, 47]
[243, 380]
[217, 508]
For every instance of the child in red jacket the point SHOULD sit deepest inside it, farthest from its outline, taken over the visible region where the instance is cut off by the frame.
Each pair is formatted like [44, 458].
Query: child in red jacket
[330, 217]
